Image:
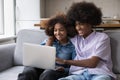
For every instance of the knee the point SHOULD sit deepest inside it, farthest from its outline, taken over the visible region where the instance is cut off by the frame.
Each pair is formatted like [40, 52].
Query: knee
[47, 75]
[27, 74]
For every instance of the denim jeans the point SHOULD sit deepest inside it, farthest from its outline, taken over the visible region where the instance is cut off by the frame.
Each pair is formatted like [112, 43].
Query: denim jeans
[86, 76]
[52, 75]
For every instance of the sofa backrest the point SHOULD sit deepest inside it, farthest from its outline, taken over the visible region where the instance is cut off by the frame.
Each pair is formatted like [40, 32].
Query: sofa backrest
[29, 36]
[115, 49]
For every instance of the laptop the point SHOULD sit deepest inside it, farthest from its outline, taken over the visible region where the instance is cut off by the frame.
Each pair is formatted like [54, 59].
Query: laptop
[39, 56]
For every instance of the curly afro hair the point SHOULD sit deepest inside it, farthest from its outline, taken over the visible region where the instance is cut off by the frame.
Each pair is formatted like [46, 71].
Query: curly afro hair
[60, 18]
[84, 12]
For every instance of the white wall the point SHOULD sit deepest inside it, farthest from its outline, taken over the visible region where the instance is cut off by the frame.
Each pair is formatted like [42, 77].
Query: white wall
[9, 17]
[1, 17]
[55, 6]
[27, 14]
[109, 8]
[42, 8]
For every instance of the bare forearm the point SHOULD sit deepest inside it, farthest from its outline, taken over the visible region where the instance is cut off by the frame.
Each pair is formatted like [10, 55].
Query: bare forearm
[91, 63]
[49, 41]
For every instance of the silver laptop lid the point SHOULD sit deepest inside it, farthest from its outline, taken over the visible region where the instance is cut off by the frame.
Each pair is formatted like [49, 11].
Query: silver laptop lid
[39, 56]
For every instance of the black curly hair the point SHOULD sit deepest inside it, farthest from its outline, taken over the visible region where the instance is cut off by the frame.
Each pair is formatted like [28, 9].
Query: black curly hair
[59, 18]
[84, 12]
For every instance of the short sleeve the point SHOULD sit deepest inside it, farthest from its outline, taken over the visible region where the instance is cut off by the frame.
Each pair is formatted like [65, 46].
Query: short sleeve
[73, 53]
[43, 42]
[103, 49]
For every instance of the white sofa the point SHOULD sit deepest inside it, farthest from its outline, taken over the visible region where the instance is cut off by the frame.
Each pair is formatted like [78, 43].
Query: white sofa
[11, 54]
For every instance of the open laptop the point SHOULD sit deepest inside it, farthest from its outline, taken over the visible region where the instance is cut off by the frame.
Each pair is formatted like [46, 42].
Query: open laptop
[39, 56]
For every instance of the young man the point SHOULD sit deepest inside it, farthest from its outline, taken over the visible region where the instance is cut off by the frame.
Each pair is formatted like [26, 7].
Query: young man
[93, 60]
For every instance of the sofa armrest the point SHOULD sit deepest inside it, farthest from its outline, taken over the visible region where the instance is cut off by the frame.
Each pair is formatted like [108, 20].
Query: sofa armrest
[6, 56]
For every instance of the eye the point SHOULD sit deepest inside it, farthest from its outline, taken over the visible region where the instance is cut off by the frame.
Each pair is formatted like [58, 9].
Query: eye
[62, 30]
[76, 23]
[55, 30]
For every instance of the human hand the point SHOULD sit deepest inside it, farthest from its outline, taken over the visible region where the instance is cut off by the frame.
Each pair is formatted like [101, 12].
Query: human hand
[60, 61]
[50, 40]
[60, 69]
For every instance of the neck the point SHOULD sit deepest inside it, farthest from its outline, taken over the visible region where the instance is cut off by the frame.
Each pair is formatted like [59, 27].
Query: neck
[88, 34]
[64, 41]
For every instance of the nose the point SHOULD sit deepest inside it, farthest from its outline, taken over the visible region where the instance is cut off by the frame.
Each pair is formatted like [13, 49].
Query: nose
[58, 32]
[78, 27]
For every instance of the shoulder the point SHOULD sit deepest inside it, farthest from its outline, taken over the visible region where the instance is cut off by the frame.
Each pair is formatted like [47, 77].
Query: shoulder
[70, 43]
[44, 42]
[101, 36]
[75, 38]
[56, 42]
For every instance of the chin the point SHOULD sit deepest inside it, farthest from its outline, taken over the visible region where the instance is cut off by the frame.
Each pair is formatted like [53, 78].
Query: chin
[80, 34]
[59, 39]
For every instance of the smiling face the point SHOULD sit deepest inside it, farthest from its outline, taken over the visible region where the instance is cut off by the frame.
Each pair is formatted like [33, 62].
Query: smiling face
[83, 29]
[60, 33]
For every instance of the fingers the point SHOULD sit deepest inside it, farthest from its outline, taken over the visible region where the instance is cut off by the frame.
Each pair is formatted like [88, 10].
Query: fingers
[60, 61]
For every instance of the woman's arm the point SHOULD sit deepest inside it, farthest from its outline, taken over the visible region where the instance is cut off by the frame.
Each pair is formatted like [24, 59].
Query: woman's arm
[50, 41]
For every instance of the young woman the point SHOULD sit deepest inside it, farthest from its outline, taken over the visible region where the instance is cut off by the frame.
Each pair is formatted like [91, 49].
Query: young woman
[57, 30]
[93, 59]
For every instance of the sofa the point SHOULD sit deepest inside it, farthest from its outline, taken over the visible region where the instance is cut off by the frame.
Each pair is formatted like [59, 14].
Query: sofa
[115, 50]
[11, 54]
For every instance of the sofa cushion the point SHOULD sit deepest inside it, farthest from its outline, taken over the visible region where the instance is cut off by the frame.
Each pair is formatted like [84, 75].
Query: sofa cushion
[29, 36]
[115, 49]
[118, 76]
[11, 73]
[6, 56]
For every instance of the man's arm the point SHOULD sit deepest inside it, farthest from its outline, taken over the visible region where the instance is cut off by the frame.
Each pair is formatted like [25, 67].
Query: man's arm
[91, 62]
